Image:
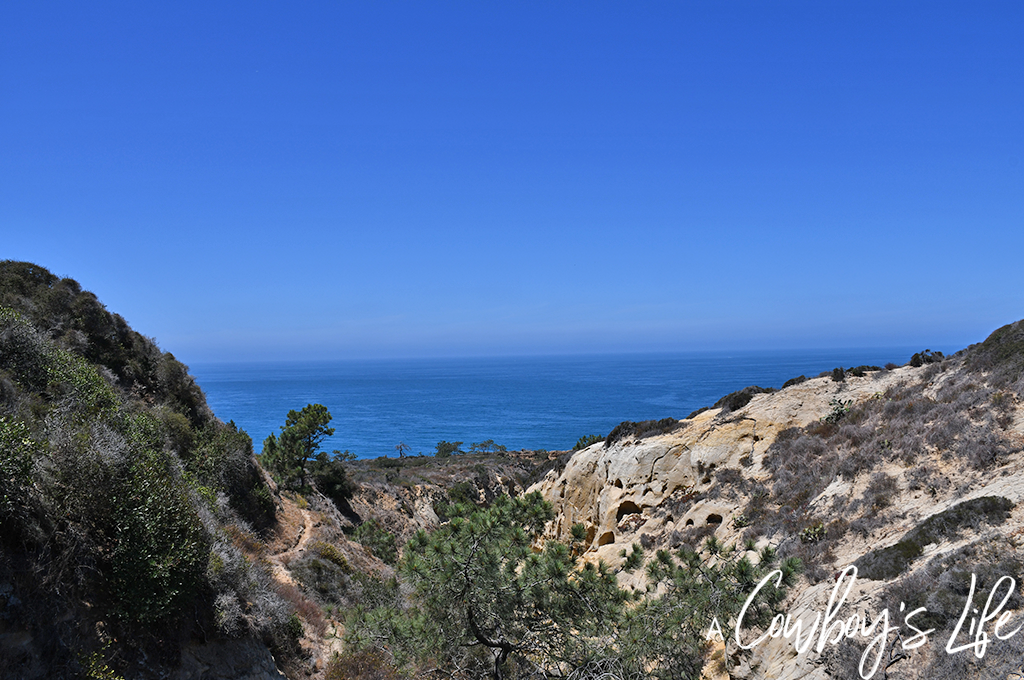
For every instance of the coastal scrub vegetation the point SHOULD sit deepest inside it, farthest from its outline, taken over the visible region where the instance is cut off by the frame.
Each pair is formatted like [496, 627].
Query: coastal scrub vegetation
[118, 488]
[133, 522]
[939, 417]
[734, 401]
[586, 440]
[642, 429]
[888, 563]
[378, 540]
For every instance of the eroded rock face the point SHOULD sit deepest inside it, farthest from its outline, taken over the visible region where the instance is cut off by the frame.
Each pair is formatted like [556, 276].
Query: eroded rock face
[698, 480]
[636, 487]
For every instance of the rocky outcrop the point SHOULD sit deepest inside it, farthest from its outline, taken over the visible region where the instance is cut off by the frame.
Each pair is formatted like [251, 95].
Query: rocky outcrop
[665, 490]
[404, 496]
[636, 487]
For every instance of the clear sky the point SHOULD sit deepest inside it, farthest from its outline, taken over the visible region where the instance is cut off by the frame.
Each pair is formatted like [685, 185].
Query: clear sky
[271, 180]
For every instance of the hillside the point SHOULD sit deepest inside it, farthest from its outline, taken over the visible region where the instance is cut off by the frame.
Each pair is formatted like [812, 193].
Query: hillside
[139, 536]
[914, 475]
[124, 502]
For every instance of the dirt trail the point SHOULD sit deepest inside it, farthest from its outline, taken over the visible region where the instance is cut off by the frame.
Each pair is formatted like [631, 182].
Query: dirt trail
[305, 534]
[279, 560]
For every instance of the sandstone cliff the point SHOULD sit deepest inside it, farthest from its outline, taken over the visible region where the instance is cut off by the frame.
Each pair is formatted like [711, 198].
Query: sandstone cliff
[838, 473]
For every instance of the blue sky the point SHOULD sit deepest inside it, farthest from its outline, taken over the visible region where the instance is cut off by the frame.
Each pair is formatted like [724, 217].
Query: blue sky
[331, 180]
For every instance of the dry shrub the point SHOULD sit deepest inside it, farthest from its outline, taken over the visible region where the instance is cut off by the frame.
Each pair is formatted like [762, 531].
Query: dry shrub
[892, 561]
[729, 481]
[942, 588]
[245, 592]
[817, 558]
[881, 492]
[927, 477]
[365, 664]
[307, 610]
[982, 448]
[245, 541]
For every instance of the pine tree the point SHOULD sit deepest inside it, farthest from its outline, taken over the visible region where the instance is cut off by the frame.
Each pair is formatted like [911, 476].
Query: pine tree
[288, 457]
[485, 602]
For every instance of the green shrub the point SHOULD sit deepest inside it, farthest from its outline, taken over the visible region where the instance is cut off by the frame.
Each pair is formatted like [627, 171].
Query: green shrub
[18, 450]
[70, 376]
[888, 563]
[642, 429]
[77, 322]
[859, 371]
[325, 579]
[160, 551]
[926, 357]
[239, 476]
[331, 553]
[293, 628]
[364, 664]
[734, 401]
[445, 449]
[95, 666]
[333, 481]
[380, 541]
[586, 440]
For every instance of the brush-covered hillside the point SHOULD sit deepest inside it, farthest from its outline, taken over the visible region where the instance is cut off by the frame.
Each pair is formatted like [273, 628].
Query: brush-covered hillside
[122, 502]
[913, 474]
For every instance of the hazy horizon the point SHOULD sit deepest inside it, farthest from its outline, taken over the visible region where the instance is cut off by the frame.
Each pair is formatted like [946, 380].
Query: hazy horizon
[909, 350]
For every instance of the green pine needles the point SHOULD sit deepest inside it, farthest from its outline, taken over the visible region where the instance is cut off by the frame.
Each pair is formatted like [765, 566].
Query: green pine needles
[486, 603]
[486, 600]
[289, 456]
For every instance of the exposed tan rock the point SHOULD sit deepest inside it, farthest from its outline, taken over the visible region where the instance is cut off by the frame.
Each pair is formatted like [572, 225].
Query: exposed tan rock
[600, 484]
[632, 489]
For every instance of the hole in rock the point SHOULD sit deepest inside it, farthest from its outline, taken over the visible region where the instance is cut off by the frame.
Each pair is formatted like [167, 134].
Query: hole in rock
[627, 508]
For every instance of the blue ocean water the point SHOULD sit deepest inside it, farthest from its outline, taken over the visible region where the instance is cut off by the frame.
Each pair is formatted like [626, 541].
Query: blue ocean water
[520, 402]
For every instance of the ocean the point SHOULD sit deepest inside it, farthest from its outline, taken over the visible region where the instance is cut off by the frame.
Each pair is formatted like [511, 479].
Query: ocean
[519, 402]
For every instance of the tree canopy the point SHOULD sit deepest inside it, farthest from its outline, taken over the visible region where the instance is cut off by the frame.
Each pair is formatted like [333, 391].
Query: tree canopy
[485, 600]
[446, 448]
[288, 457]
